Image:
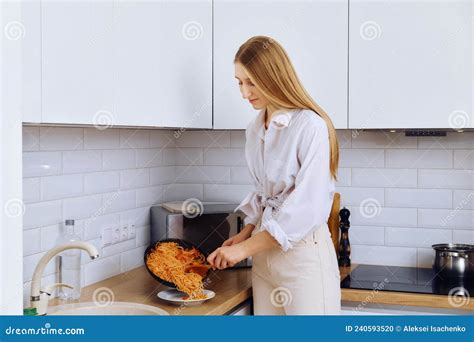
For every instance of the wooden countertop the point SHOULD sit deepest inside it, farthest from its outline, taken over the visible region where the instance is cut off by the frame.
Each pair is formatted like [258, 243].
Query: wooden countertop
[233, 287]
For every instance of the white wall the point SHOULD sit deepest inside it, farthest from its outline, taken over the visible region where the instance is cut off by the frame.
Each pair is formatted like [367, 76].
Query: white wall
[10, 159]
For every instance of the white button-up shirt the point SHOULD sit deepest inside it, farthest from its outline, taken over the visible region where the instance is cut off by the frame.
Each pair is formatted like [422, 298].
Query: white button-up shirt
[289, 164]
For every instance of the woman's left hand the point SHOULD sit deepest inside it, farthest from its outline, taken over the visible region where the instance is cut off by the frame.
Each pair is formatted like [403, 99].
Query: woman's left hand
[227, 256]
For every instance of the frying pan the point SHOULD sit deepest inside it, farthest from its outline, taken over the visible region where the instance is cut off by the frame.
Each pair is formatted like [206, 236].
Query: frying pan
[181, 243]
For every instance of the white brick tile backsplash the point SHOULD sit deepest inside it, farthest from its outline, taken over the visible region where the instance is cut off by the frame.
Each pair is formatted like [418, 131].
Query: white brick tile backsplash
[344, 138]
[463, 199]
[225, 157]
[132, 258]
[42, 214]
[161, 138]
[61, 138]
[404, 193]
[445, 179]
[49, 236]
[202, 174]
[117, 248]
[207, 139]
[99, 182]
[425, 257]
[82, 161]
[95, 139]
[41, 164]
[118, 159]
[418, 198]
[139, 217]
[383, 139]
[162, 175]
[352, 196]
[94, 225]
[383, 255]
[189, 156]
[143, 236]
[149, 157]
[344, 176]
[370, 215]
[138, 178]
[82, 207]
[31, 241]
[226, 192]
[119, 201]
[367, 235]
[446, 218]
[237, 139]
[57, 187]
[361, 158]
[463, 236]
[435, 159]
[240, 175]
[416, 237]
[149, 196]
[177, 192]
[169, 156]
[30, 138]
[384, 178]
[464, 159]
[453, 140]
[134, 138]
[101, 269]
[31, 190]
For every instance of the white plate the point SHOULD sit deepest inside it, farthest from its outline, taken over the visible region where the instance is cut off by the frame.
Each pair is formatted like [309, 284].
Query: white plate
[176, 297]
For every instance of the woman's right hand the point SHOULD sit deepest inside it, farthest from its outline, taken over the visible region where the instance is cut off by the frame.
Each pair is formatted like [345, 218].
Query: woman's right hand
[244, 234]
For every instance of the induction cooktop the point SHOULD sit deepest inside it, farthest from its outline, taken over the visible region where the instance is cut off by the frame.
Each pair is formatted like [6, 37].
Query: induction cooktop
[405, 279]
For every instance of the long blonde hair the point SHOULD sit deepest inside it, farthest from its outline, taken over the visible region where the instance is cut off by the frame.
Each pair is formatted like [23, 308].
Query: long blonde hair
[270, 69]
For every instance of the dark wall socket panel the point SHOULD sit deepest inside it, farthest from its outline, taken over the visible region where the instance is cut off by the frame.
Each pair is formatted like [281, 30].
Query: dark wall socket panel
[424, 133]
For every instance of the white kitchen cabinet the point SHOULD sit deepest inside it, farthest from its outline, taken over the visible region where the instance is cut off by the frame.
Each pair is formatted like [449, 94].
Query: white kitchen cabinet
[132, 63]
[315, 35]
[77, 73]
[163, 63]
[30, 31]
[410, 64]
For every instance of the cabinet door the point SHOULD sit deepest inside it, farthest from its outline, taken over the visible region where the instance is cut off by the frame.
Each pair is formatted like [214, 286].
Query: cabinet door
[315, 35]
[410, 64]
[31, 60]
[77, 76]
[163, 63]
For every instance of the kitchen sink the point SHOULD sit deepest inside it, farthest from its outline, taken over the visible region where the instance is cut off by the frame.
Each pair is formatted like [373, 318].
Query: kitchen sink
[115, 308]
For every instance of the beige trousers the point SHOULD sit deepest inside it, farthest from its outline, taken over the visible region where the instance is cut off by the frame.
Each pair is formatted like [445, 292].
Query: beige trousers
[304, 280]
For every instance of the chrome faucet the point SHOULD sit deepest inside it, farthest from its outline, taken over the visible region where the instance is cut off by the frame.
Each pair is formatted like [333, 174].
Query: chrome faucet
[40, 298]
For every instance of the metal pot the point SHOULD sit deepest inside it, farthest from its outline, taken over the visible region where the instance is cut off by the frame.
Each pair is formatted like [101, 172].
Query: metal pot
[454, 260]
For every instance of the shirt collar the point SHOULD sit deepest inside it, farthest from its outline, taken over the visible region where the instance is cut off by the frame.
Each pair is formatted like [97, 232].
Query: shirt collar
[281, 118]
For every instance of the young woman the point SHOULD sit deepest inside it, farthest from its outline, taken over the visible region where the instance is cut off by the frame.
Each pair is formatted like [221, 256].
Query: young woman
[292, 153]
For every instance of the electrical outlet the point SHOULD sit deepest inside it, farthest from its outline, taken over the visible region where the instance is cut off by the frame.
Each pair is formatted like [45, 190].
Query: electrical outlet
[132, 232]
[124, 233]
[116, 235]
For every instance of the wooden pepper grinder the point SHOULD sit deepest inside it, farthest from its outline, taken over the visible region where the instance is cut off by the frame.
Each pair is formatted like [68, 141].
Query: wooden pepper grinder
[344, 244]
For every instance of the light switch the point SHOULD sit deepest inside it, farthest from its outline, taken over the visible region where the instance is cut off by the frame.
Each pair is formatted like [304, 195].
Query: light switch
[106, 236]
